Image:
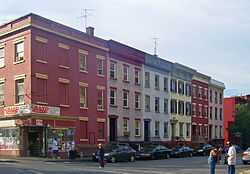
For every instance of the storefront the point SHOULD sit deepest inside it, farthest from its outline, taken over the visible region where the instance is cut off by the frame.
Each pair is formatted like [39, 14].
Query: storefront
[29, 130]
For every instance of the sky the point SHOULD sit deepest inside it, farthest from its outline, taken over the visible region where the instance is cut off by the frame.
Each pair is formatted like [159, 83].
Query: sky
[211, 36]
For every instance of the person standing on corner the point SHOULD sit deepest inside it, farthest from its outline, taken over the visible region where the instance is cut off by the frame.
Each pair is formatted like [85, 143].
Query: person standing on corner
[231, 159]
[212, 160]
[100, 154]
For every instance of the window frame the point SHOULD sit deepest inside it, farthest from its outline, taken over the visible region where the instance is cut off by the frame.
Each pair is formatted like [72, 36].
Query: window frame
[17, 93]
[83, 67]
[2, 59]
[113, 70]
[84, 98]
[125, 99]
[17, 54]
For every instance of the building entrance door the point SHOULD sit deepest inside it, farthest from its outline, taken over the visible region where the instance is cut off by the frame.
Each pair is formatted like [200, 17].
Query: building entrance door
[36, 142]
[112, 129]
[146, 130]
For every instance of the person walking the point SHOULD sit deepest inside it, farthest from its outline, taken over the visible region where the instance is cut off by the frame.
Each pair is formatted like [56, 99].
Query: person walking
[55, 148]
[100, 154]
[231, 158]
[212, 160]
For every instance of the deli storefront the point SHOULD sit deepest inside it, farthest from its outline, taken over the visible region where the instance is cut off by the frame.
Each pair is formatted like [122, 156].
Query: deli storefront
[28, 130]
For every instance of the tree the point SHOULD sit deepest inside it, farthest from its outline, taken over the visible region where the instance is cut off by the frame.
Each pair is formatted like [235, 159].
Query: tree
[241, 126]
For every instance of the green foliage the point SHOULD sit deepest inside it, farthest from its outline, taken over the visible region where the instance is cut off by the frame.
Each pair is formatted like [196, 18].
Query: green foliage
[242, 123]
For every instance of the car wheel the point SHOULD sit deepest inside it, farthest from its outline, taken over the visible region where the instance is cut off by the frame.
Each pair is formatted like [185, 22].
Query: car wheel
[132, 158]
[113, 159]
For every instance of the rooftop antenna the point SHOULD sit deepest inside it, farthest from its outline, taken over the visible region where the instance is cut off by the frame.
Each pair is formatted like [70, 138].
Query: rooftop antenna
[155, 45]
[85, 15]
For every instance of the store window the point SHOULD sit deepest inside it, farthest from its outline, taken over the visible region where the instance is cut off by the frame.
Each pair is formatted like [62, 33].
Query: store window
[9, 138]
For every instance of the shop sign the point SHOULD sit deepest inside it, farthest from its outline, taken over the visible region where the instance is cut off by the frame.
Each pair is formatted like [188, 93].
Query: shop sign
[7, 123]
[39, 122]
[28, 109]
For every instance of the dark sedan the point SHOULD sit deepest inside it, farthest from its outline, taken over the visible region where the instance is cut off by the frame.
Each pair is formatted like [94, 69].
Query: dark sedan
[117, 152]
[184, 151]
[154, 152]
[203, 150]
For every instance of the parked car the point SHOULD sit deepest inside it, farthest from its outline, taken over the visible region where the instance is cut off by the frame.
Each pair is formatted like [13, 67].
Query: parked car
[117, 152]
[154, 152]
[246, 156]
[184, 151]
[203, 150]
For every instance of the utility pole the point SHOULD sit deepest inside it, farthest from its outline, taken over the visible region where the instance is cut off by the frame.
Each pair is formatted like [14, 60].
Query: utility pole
[155, 45]
[85, 16]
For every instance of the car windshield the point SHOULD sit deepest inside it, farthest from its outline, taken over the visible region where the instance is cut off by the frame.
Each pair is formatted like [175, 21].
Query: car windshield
[110, 148]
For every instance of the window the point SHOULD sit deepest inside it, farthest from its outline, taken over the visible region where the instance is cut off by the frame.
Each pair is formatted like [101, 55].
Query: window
[200, 92]
[64, 93]
[181, 107]
[100, 66]
[188, 90]
[83, 62]
[181, 87]
[173, 106]
[200, 111]
[205, 96]
[194, 91]
[100, 99]
[215, 113]
[216, 131]
[211, 96]
[125, 73]
[147, 80]
[157, 104]
[137, 127]
[147, 103]
[19, 51]
[165, 105]
[181, 129]
[125, 98]
[101, 128]
[188, 129]
[220, 98]
[1, 93]
[220, 131]
[173, 85]
[113, 71]
[157, 128]
[83, 97]
[165, 129]
[112, 97]
[206, 111]
[165, 87]
[84, 129]
[20, 91]
[215, 97]
[188, 108]
[220, 113]
[211, 112]
[125, 125]
[1, 57]
[157, 82]
[137, 100]
[194, 108]
[41, 92]
[137, 76]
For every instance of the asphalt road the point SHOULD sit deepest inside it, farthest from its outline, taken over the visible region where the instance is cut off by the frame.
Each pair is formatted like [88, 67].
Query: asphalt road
[194, 165]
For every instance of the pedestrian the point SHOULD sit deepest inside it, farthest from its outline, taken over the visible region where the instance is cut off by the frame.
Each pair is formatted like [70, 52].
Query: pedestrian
[100, 154]
[55, 148]
[212, 160]
[231, 158]
[219, 154]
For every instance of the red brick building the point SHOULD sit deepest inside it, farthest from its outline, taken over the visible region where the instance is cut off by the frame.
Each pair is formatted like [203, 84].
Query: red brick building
[52, 85]
[200, 108]
[229, 115]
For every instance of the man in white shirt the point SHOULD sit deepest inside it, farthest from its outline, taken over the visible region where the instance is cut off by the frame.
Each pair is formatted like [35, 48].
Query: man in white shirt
[55, 148]
[231, 160]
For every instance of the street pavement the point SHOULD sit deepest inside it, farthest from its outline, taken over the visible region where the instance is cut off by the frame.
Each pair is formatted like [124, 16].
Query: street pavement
[193, 165]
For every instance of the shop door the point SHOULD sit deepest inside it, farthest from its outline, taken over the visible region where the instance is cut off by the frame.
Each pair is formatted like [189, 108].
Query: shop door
[146, 130]
[35, 141]
[112, 129]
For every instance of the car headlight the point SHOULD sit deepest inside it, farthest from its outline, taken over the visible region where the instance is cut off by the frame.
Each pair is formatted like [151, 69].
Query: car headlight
[106, 154]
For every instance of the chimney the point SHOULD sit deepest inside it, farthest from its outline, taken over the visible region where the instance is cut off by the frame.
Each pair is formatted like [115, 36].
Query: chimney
[90, 31]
